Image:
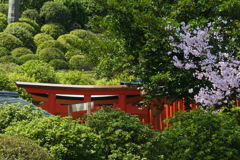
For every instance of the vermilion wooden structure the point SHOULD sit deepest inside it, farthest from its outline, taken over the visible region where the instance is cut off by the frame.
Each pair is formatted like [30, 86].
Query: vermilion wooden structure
[56, 98]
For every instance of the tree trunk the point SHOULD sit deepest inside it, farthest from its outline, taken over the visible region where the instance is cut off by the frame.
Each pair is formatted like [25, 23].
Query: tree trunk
[13, 11]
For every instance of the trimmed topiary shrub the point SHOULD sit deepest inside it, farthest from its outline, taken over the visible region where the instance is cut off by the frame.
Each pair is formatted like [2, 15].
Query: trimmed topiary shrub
[5, 82]
[4, 51]
[20, 51]
[23, 25]
[81, 33]
[9, 41]
[21, 148]
[27, 57]
[7, 59]
[41, 37]
[32, 23]
[58, 64]
[3, 22]
[70, 40]
[55, 12]
[52, 44]
[71, 53]
[31, 14]
[79, 62]
[4, 9]
[64, 138]
[48, 54]
[53, 29]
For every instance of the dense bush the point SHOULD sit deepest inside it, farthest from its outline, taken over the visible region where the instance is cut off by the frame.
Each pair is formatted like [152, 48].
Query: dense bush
[27, 57]
[9, 41]
[53, 29]
[70, 40]
[5, 83]
[3, 21]
[10, 113]
[31, 14]
[34, 24]
[81, 33]
[71, 53]
[4, 51]
[52, 44]
[201, 135]
[20, 51]
[4, 8]
[79, 62]
[123, 135]
[48, 54]
[58, 64]
[55, 12]
[41, 37]
[25, 25]
[21, 148]
[7, 59]
[64, 139]
[38, 70]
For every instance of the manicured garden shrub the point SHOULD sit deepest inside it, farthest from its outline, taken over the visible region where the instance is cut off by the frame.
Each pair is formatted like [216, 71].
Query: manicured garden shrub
[81, 33]
[55, 12]
[79, 62]
[20, 51]
[41, 37]
[34, 24]
[27, 57]
[48, 54]
[65, 139]
[201, 135]
[31, 14]
[58, 64]
[9, 41]
[70, 40]
[21, 148]
[4, 8]
[123, 135]
[4, 51]
[71, 53]
[38, 70]
[25, 25]
[5, 82]
[3, 21]
[10, 113]
[7, 59]
[52, 44]
[53, 29]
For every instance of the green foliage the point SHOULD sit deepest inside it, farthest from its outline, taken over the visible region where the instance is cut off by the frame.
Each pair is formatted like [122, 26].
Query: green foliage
[20, 51]
[31, 4]
[3, 21]
[4, 8]
[64, 139]
[53, 29]
[52, 44]
[7, 59]
[25, 25]
[55, 12]
[38, 70]
[123, 135]
[31, 14]
[81, 33]
[48, 54]
[41, 37]
[75, 77]
[4, 51]
[80, 62]
[70, 40]
[10, 113]
[71, 53]
[58, 64]
[34, 24]
[9, 41]
[201, 135]
[21, 148]
[8, 67]
[27, 57]
[5, 83]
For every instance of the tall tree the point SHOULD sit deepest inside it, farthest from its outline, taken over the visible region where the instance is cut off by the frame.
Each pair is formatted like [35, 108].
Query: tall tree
[13, 11]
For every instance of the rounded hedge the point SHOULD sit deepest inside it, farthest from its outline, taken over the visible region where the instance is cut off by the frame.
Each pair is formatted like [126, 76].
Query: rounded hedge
[4, 51]
[48, 54]
[9, 41]
[25, 25]
[55, 12]
[27, 57]
[70, 40]
[7, 59]
[58, 64]
[31, 22]
[21, 148]
[70, 53]
[3, 22]
[41, 37]
[31, 14]
[53, 29]
[20, 51]
[79, 62]
[52, 44]
[4, 9]
[81, 33]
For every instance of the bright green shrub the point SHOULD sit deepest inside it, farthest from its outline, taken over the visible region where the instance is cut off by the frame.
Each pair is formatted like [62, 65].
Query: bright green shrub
[72, 52]
[123, 135]
[55, 12]
[52, 44]
[20, 51]
[23, 25]
[22, 33]
[81, 33]
[65, 139]
[5, 82]
[4, 51]
[201, 135]
[74, 77]
[53, 29]
[48, 54]
[70, 40]
[7, 59]
[9, 41]
[8, 67]
[41, 37]
[3, 21]
[4, 9]
[32, 23]
[27, 57]
[31, 14]
[38, 70]
[79, 62]
[21, 148]
[58, 64]
[10, 113]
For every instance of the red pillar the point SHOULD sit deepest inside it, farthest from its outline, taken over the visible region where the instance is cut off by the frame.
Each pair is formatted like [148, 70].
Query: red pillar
[52, 103]
[87, 98]
[122, 102]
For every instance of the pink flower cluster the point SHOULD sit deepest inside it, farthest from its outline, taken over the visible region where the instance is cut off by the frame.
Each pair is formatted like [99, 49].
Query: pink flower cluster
[219, 68]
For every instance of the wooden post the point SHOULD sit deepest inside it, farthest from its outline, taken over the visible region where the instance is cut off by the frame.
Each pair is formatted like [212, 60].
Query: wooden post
[70, 110]
[52, 103]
